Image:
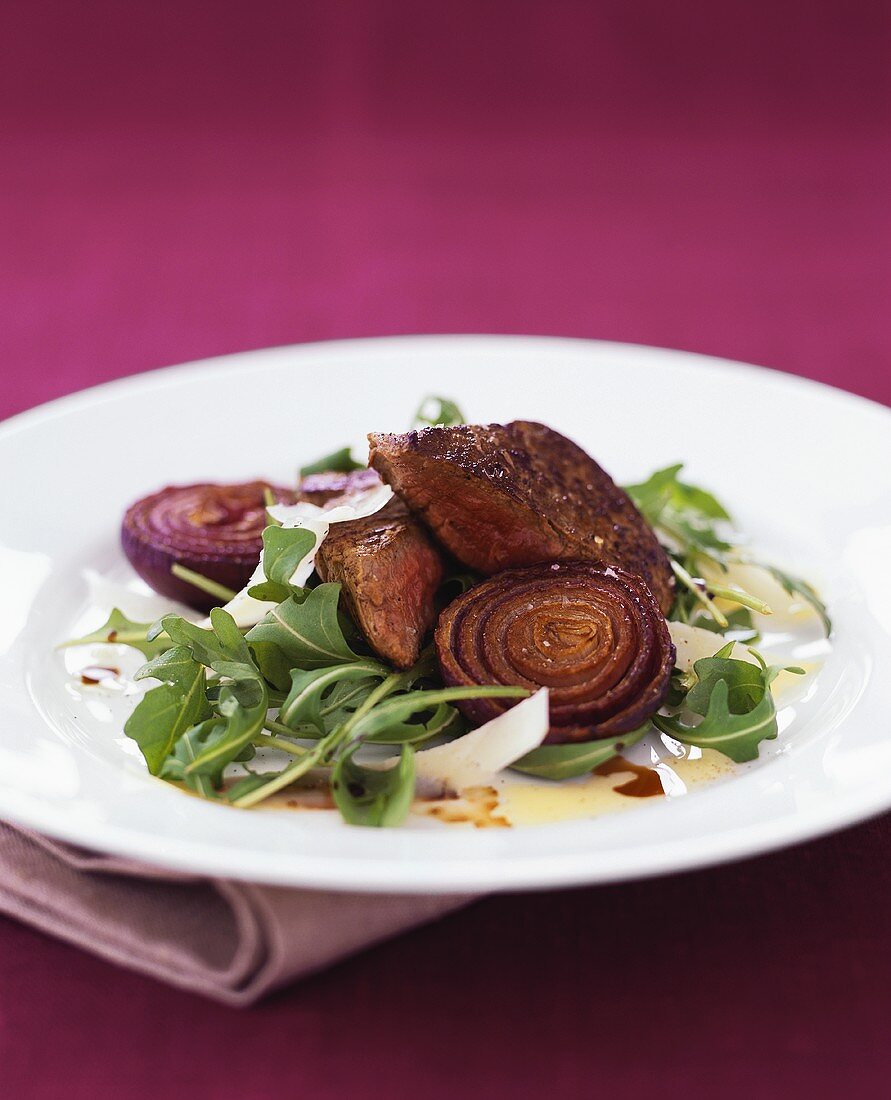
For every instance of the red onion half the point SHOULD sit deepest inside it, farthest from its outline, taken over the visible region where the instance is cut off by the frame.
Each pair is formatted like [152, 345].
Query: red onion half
[214, 530]
[591, 633]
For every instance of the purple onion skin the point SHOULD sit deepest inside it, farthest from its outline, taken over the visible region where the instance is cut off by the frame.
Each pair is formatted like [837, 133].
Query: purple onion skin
[214, 530]
[329, 485]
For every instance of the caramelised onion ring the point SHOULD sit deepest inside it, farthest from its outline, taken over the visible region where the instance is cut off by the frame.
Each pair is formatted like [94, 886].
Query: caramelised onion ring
[591, 633]
[214, 530]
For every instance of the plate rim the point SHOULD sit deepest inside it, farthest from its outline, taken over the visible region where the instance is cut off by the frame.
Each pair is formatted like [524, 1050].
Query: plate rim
[85, 396]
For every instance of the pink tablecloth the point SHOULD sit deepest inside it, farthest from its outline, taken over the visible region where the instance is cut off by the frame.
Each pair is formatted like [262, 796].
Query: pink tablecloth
[181, 179]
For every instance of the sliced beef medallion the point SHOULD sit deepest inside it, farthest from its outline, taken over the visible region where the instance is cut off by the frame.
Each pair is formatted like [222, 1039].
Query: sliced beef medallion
[387, 566]
[506, 495]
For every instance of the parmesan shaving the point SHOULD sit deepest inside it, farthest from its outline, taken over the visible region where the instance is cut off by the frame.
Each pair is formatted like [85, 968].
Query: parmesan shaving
[473, 759]
[692, 643]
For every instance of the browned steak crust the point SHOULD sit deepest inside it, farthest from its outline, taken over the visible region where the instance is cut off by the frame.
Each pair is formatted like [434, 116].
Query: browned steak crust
[386, 564]
[505, 495]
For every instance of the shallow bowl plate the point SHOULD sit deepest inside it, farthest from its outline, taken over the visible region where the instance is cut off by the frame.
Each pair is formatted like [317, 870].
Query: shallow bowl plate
[806, 470]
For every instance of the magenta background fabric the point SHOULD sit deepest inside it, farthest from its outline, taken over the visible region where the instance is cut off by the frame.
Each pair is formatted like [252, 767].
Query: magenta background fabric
[179, 180]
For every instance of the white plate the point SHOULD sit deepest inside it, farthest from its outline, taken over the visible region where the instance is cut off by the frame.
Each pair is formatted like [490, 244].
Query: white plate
[806, 470]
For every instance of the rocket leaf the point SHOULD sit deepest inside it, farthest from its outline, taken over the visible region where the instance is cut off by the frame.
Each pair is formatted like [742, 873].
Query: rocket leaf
[119, 630]
[445, 720]
[341, 461]
[167, 711]
[736, 704]
[795, 586]
[237, 726]
[385, 721]
[745, 683]
[284, 548]
[303, 704]
[222, 648]
[569, 761]
[736, 735]
[308, 633]
[438, 412]
[187, 749]
[373, 796]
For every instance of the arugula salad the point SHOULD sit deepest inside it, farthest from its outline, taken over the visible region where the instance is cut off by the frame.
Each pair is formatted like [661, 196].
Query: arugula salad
[479, 597]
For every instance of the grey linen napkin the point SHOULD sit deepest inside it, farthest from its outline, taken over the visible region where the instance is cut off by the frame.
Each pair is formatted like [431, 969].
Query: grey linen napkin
[231, 941]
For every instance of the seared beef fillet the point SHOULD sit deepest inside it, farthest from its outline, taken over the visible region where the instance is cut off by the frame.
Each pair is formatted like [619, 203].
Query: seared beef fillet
[500, 496]
[387, 566]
